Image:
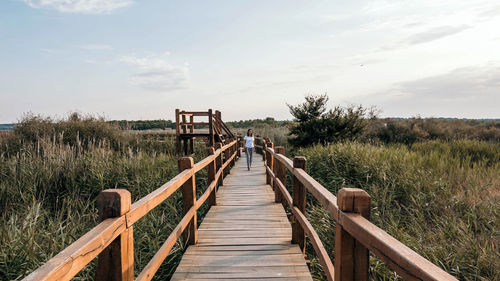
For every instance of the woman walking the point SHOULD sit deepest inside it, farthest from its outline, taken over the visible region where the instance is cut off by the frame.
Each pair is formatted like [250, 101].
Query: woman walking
[249, 144]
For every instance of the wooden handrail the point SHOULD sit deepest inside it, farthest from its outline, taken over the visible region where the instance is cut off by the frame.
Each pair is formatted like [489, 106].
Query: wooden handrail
[406, 262]
[76, 256]
[194, 113]
[324, 259]
[150, 269]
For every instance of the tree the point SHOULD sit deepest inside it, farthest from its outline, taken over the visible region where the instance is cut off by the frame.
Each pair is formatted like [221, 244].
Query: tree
[314, 124]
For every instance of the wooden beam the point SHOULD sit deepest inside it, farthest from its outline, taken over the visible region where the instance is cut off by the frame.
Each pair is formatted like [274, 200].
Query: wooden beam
[299, 201]
[189, 199]
[116, 262]
[212, 170]
[76, 256]
[324, 259]
[177, 132]
[211, 139]
[351, 256]
[220, 163]
[280, 172]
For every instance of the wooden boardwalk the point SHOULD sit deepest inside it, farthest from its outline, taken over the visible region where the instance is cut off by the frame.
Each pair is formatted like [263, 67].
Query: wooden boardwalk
[246, 236]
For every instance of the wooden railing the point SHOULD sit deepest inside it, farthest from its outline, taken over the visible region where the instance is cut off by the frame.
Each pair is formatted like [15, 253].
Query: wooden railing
[185, 124]
[112, 240]
[355, 235]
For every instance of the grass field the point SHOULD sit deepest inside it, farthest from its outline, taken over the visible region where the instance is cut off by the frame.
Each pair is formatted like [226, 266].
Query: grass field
[48, 191]
[439, 198]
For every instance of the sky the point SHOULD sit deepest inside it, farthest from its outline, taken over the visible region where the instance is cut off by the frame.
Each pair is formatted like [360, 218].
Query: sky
[141, 59]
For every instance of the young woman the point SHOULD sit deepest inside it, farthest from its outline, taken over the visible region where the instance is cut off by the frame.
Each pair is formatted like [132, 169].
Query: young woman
[249, 144]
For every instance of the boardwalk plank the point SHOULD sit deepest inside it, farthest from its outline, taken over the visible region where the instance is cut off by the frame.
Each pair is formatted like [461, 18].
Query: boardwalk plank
[246, 236]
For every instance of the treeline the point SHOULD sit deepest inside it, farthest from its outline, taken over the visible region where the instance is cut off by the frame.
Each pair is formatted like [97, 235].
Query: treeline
[144, 124]
[269, 121]
[409, 131]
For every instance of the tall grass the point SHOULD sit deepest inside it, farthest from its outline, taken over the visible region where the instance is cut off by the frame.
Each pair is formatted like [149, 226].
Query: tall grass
[48, 188]
[440, 199]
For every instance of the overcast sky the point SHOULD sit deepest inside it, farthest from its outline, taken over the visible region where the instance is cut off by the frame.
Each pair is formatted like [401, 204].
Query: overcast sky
[141, 59]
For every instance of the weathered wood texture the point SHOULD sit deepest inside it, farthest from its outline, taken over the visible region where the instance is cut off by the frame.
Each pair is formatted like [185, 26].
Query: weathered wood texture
[246, 236]
[116, 262]
[299, 201]
[189, 199]
[351, 256]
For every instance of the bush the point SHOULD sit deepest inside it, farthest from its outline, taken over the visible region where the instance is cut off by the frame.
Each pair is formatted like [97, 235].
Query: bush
[409, 131]
[315, 125]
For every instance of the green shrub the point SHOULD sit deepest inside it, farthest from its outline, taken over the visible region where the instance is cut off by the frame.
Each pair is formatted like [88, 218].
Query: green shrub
[315, 125]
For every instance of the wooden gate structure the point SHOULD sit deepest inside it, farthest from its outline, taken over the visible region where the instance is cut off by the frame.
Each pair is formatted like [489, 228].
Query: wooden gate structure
[246, 234]
[212, 130]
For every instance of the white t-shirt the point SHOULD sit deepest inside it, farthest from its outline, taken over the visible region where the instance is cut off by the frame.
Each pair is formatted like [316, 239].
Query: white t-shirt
[249, 141]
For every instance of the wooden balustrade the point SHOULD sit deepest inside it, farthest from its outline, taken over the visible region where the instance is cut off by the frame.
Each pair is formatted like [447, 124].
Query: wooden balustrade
[112, 239]
[355, 235]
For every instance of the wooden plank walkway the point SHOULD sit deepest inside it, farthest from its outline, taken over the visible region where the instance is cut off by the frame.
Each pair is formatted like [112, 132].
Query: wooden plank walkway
[246, 236]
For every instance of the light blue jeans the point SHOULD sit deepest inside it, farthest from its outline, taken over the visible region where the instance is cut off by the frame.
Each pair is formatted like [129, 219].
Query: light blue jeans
[248, 153]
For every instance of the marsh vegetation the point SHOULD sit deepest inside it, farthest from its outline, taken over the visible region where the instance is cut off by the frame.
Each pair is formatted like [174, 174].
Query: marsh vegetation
[437, 193]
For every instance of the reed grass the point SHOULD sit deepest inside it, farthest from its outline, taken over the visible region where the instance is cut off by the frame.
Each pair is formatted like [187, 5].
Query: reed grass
[440, 199]
[48, 190]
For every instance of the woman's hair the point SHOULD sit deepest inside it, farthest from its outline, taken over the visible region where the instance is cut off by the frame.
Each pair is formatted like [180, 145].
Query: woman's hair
[248, 132]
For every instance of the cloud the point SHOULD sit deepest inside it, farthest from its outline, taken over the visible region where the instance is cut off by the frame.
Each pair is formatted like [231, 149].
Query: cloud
[425, 37]
[96, 47]
[80, 6]
[155, 73]
[464, 83]
[490, 13]
[435, 33]
[463, 92]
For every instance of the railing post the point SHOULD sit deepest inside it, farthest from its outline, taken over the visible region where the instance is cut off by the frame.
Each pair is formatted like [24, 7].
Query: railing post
[238, 144]
[189, 199]
[269, 162]
[235, 151]
[191, 130]
[184, 130]
[351, 257]
[212, 170]
[280, 172]
[116, 262]
[177, 132]
[220, 162]
[231, 150]
[299, 201]
[226, 153]
[211, 139]
[263, 151]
